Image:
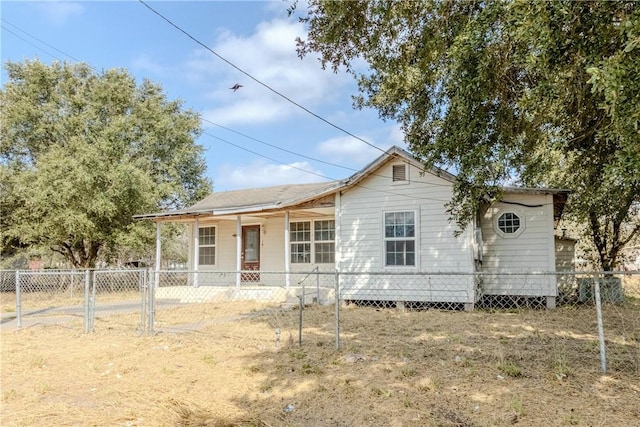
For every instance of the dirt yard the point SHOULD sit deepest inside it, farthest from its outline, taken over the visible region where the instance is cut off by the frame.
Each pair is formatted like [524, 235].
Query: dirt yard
[394, 368]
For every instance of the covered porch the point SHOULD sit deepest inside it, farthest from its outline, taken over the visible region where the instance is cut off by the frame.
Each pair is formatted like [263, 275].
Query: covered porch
[236, 237]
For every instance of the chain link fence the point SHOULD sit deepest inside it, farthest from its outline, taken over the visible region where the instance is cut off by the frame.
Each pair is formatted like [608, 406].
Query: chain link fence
[568, 318]
[595, 317]
[118, 300]
[77, 299]
[52, 297]
[190, 301]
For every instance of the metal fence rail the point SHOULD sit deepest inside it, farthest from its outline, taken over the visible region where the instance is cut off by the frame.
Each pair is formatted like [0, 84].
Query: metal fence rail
[74, 298]
[593, 309]
[188, 301]
[52, 297]
[604, 309]
[119, 299]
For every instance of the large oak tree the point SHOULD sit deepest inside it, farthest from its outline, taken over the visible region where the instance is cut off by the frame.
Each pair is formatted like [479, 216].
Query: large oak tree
[544, 92]
[82, 151]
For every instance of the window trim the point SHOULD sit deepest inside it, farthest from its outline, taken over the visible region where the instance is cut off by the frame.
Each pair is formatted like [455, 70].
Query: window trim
[312, 241]
[500, 232]
[321, 241]
[415, 239]
[293, 242]
[214, 245]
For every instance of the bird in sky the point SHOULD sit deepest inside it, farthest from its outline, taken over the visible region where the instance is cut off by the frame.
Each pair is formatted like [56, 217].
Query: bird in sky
[235, 87]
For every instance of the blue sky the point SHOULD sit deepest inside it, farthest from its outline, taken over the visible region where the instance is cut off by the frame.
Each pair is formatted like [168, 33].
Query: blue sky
[282, 142]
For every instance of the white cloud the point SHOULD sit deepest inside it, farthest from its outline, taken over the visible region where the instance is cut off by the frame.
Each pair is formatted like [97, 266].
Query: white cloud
[269, 56]
[260, 174]
[246, 110]
[58, 12]
[349, 149]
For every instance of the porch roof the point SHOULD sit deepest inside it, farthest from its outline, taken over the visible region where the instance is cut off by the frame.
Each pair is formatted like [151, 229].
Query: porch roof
[251, 200]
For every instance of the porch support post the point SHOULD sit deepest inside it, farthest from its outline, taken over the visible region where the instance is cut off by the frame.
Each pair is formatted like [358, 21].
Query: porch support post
[338, 230]
[158, 255]
[238, 249]
[196, 251]
[287, 251]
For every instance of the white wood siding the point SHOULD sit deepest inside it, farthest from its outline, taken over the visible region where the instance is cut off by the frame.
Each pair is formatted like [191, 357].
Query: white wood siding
[361, 230]
[530, 250]
[362, 225]
[272, 252]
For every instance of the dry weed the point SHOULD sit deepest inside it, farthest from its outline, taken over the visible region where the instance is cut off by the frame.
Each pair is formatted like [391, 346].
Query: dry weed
[429, 368]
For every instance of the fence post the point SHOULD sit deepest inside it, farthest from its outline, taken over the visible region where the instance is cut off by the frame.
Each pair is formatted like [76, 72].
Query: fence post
[143, 302]
[300, 308]
[18, 300]
[92, 305]
[87, 299]
[152, 307]
[603, 352]
[317, 285]
[337, 308]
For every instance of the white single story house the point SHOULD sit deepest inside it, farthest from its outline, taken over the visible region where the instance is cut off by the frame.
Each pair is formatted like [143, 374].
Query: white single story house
[387, 218]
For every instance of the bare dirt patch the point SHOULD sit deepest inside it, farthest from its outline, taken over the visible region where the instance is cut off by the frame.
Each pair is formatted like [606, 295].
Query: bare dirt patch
[430, 368]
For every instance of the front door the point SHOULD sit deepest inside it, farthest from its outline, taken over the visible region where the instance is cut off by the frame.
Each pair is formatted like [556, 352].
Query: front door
[250, 252]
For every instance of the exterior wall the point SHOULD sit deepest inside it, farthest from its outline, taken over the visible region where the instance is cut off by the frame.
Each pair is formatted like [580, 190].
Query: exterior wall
[361, 234]
[531, 249]
[272, 251]
[308, 267]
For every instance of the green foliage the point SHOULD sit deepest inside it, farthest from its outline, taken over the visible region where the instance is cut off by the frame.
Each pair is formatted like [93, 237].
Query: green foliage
[544, 92]
[82, 152]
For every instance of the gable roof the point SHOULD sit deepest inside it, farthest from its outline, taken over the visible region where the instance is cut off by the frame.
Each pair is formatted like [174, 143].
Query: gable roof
[389, 155]
[255, 200]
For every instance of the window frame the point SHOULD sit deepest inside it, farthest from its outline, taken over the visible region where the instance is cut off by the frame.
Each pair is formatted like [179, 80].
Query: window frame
[414, 239]
[311, 255]
[331, 241]
[500, 232]
[202, 245]
[305, 244]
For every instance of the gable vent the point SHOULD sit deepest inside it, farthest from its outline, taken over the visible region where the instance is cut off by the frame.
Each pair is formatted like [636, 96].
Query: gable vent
[399, 173]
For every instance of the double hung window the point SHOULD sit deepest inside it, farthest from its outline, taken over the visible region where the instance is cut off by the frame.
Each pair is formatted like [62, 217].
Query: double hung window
[207, 246]
[400, 238]
[318, 246]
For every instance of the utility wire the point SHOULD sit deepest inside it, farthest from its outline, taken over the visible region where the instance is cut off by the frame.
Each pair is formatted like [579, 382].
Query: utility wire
[4, 27]
[213, 123]
[267, 157]
[416, 181]
[272, 90]
[277, 147]
[411, 196]
[258, 81]
[34, 37]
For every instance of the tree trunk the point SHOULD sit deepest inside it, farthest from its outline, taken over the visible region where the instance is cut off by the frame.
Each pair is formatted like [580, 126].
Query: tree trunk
[82, 254]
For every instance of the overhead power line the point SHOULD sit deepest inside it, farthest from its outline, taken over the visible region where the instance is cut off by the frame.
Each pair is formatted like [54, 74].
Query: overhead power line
[14, 27]
[411, 196]
[35, 38]
[269, 158]
[257, 80]
[279, 148]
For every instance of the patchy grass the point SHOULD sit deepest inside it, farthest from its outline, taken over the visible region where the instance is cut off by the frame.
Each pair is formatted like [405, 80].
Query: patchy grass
[429, 368]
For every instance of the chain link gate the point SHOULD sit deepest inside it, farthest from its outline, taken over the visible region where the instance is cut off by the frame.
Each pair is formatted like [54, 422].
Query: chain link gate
[64, 297]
